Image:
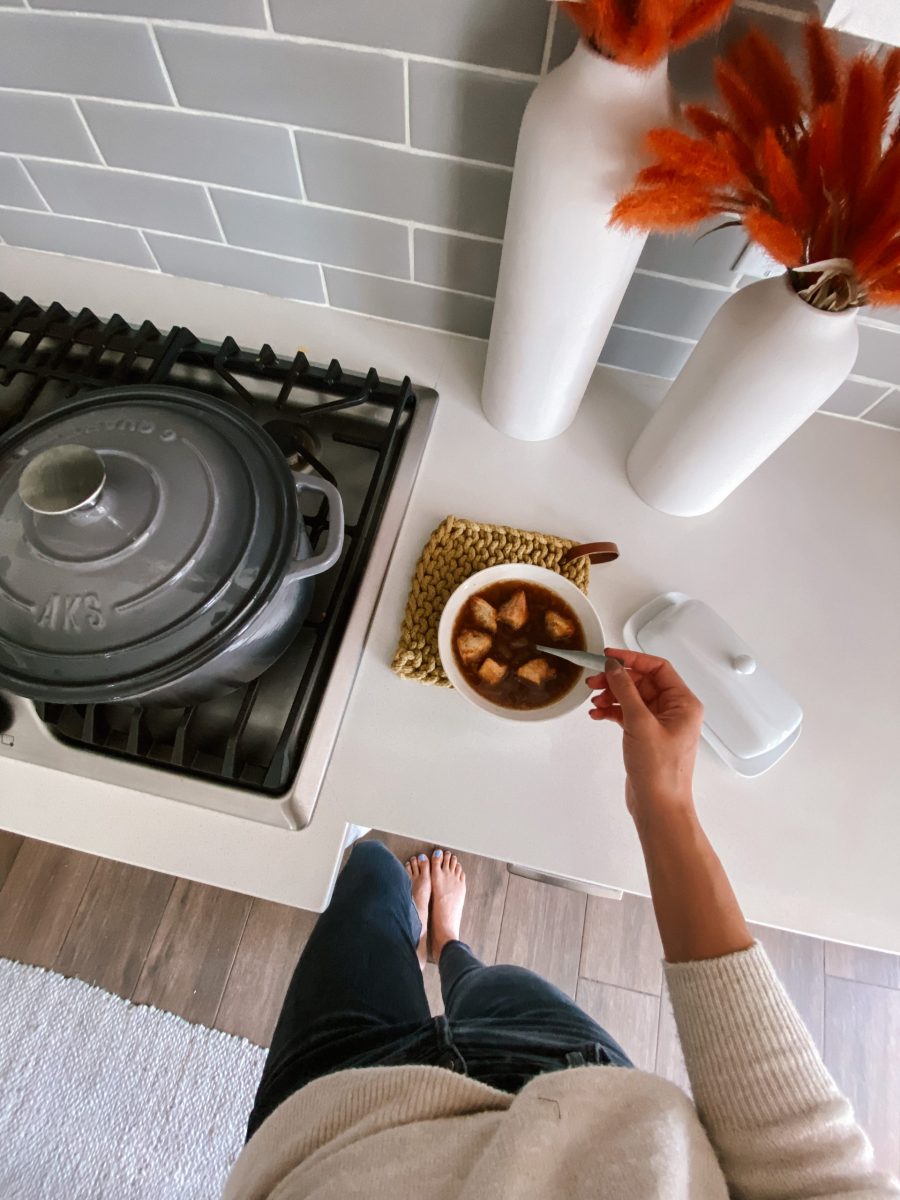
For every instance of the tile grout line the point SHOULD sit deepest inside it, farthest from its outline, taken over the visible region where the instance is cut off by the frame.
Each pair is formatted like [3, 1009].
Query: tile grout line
[407, 120]
[275, 35]
[324, 283]
[317, 204]
[40, 194]
[76, 908]
[337, 134]
[215, 213]
[865, 412]
[162, 911]
[184, 237]
[267, 16]
[866, 983]
[548, 38]
[502, 911]
[237, 946]
[703, 284]
[295, 151]
[153, 257]
[148, 25]
[412, 252]
[90, 134]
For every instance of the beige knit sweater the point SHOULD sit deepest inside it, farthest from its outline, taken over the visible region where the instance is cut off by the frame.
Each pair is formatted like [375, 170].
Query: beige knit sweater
[769, 1123]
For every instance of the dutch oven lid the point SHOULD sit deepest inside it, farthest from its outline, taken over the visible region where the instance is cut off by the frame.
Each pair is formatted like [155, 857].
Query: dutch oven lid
[138, 526]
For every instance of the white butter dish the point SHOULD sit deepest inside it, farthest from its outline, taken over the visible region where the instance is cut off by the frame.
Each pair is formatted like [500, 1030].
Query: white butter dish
[750, 720]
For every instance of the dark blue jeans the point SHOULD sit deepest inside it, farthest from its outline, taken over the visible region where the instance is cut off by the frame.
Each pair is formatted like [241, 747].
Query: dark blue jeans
[357, 1000]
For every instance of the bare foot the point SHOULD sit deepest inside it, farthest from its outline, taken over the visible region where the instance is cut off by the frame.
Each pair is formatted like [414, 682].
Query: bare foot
[448, 884]
[418, 872]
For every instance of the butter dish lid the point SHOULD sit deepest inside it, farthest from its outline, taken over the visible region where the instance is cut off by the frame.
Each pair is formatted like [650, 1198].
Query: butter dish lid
[750, 719]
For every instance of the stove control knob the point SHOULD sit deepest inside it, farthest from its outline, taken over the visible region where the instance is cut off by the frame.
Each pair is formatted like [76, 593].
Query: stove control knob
[7, 714]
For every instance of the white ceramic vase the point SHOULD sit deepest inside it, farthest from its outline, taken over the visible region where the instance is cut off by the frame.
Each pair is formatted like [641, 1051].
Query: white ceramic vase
[563, 270]
[765, 363]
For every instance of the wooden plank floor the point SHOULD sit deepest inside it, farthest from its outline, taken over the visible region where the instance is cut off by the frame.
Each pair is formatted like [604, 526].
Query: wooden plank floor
[224, 960]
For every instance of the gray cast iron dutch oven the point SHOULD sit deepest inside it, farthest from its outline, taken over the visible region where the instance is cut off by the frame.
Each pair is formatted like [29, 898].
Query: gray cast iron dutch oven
[151, 549]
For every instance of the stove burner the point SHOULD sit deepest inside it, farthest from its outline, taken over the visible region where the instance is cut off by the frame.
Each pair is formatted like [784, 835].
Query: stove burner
[348, 428]
[300, 447]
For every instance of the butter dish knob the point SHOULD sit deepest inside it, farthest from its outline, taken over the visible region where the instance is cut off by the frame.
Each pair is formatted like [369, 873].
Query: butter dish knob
[744, 664]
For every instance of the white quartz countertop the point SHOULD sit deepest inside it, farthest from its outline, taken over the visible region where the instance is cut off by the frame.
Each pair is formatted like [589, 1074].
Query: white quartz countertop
[803, 561]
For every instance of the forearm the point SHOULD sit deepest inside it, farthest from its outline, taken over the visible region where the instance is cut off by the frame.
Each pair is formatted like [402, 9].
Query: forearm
[696, 910]
[773, 1113]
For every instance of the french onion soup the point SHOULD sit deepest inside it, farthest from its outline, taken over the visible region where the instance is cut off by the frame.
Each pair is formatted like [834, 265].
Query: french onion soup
[495, 640]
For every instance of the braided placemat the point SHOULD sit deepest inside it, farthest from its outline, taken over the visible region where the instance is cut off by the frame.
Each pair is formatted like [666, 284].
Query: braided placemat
[456, 550]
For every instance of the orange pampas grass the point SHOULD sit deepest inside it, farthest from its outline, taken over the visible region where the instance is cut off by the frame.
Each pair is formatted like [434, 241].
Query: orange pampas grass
[639, 33]
[810, 167]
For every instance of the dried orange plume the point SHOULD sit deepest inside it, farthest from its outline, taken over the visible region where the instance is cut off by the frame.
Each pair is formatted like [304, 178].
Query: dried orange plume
[697, 159]
[782, 185]
[703, 18]
[748, 114]
[877, 218]
[671, 206]
[891, 81]
[776, 238]
[812, 170]
[766, 73]
[823, 157]
[886, 290]
[707, 123]
[861, 123]
[823, 61]
[640, 33]
[649, 38]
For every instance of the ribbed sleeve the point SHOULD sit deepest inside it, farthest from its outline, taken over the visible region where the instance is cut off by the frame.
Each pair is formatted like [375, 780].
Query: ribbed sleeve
[773, 1113]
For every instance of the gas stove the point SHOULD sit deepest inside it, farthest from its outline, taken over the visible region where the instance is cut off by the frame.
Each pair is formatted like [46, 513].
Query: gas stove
[260, 753]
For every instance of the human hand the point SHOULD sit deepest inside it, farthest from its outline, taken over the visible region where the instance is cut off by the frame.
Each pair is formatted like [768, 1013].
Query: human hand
[661, 720]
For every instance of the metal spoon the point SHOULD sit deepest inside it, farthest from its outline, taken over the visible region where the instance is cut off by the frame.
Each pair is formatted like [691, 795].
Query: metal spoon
[580, 657]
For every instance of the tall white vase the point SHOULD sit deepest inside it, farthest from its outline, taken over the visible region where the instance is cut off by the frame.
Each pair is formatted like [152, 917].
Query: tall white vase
[564, 271]
[765, 363]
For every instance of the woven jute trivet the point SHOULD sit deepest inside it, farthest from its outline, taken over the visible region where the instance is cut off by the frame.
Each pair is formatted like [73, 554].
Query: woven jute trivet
[457, 549]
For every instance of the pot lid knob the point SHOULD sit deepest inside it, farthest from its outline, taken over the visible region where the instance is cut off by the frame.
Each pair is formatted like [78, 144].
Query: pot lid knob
[744, 664]
[62, 479]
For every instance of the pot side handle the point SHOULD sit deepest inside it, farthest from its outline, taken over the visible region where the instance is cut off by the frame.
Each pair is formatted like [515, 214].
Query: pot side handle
[307, 567]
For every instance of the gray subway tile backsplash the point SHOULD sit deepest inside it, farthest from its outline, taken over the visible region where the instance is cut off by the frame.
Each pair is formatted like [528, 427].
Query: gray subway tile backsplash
[491, 33]
[450, 261]
[346, 91]
[410, 303]
[646, 352]
[305, 231]
[16, 189]
[106, 195]
[249, 13]
[191, 146]
[79, 55]
[665, 306]
[369, 139]
[879, 354]
[469, 114]
[237, 268]
[706, 254]
[81, 239]
[887, 412]
[44, 125]
[854, 397]
[395, 183]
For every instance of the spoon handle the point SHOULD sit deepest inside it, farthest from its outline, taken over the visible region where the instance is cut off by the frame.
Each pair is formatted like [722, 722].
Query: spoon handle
[581, 657]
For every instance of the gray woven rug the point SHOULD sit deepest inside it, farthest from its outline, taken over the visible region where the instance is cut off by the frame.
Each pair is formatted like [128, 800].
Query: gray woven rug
[102, 1098]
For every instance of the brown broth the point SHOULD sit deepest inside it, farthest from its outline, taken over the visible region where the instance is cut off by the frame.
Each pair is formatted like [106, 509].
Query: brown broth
[514, 647]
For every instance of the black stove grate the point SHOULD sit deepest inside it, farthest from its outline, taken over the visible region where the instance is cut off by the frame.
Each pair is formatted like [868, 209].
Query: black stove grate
[324, 419]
